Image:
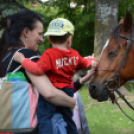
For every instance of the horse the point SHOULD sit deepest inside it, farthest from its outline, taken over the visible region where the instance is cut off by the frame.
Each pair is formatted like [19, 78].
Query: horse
[116, 62]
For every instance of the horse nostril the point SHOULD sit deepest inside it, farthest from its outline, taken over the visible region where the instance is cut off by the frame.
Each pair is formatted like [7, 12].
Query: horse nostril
[92, 91]
[98, 93]
[92, 88]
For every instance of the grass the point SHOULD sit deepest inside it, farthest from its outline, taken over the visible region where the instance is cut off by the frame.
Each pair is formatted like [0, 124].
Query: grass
[130, 86]
[106, 118]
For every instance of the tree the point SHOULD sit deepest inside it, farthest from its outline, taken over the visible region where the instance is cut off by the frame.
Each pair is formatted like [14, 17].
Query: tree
[106, 18]
[108, 13]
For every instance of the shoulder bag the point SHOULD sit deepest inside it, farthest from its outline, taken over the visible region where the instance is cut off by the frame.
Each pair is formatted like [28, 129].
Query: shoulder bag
[18, 102]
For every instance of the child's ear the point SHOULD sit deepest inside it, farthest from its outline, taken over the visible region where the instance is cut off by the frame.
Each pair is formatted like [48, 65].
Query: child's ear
[70, 39]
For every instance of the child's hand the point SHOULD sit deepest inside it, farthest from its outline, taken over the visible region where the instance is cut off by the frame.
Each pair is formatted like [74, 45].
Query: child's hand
[94, 64]
[87, 77]
[91, 57]
[19, 57]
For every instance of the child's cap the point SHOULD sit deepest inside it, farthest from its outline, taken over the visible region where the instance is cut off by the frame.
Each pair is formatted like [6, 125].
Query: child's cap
[59, 27]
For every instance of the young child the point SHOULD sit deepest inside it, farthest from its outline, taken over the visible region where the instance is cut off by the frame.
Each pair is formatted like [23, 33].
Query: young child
[59, 64]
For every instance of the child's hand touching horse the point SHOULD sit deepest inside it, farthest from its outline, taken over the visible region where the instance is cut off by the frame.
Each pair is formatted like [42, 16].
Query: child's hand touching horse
[94, 63]
[87, 76]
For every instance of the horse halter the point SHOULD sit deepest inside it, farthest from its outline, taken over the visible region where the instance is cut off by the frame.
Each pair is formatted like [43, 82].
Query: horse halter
[116, 79]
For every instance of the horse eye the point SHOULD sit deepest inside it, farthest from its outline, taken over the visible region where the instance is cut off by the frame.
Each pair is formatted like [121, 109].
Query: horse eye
[112, 53]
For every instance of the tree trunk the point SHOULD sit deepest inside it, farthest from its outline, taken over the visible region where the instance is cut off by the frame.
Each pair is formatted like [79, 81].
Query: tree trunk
[106, 14]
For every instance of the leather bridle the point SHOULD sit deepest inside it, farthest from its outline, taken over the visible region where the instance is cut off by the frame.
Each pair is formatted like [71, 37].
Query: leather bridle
[116, 79]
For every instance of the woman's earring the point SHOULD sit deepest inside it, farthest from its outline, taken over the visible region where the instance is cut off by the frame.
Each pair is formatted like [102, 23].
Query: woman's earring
[26, 39]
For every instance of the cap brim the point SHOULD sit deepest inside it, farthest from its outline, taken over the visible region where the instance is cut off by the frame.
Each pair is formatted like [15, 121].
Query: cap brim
[54, 33]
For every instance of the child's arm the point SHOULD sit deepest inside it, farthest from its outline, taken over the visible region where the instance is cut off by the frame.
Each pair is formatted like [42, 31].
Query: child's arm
[87, 76]
[28, 64]
[76, 85]
[86, 63]
[32, 67]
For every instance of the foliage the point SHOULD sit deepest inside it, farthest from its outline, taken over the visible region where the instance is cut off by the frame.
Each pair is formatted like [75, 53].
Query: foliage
[129, 86]
[125, 5]
[8, 7]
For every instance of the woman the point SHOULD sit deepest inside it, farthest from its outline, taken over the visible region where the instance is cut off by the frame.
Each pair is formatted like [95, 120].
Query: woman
[24, 30]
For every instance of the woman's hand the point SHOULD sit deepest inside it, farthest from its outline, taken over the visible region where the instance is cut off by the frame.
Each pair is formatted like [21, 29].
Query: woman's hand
[19, 57]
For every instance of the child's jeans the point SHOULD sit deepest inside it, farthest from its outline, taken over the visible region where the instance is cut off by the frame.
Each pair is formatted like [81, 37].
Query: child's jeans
[46, 110]
[67, 114]
[58, 124]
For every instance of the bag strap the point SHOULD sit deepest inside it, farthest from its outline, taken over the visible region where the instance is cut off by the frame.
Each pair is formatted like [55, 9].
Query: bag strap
[10, 63]
[21, 66]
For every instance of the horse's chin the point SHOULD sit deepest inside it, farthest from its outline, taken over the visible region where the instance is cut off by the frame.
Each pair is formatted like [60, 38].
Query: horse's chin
[100, 94]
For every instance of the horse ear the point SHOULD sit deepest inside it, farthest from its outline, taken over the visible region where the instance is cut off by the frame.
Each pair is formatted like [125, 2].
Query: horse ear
[128, 21]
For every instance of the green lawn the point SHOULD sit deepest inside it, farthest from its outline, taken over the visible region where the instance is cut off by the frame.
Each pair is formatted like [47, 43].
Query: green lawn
[106, 118]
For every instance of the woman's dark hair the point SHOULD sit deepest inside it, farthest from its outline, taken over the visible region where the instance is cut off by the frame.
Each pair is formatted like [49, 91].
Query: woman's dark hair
[59, 39]
[15, 24]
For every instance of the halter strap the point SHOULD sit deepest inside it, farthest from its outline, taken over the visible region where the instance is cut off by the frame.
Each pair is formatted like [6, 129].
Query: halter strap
[117, 73]
[117, 78]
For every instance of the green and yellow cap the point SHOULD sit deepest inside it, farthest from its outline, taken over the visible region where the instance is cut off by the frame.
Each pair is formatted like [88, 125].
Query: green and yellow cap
[59, 27]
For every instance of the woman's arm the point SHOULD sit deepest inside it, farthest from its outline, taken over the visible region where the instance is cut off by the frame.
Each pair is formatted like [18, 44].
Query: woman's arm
[50, 93]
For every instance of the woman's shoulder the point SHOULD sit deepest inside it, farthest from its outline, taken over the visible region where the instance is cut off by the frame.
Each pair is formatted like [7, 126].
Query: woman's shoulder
[28, 52]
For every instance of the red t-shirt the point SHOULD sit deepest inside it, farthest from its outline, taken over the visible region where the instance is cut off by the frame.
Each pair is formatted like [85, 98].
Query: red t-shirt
[59, 65]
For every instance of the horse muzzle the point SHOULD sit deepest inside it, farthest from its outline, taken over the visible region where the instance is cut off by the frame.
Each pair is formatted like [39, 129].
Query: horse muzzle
[99, 93]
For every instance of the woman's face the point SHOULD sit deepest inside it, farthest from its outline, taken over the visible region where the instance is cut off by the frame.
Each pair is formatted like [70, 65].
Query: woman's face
[34, 37]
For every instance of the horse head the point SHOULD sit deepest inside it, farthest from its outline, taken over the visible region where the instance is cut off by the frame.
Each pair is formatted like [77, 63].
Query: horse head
[115, 67]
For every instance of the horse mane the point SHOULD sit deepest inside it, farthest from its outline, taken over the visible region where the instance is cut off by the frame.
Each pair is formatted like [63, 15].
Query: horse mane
[116, 32]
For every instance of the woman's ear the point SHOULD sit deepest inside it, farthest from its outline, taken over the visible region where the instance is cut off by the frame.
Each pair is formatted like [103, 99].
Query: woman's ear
[26, 32]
